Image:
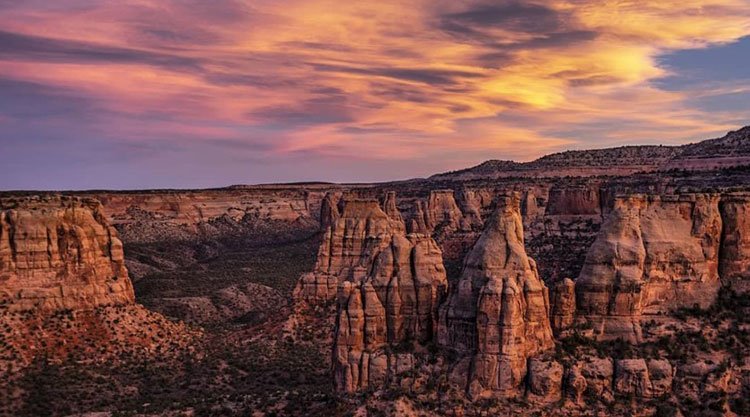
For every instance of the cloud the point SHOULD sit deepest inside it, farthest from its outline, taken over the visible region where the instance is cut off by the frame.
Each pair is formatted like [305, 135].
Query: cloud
[506, 15]
[450, 82]
[16, 46]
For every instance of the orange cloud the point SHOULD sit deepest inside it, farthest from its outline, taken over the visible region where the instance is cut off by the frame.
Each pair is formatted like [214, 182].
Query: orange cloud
[394, 80]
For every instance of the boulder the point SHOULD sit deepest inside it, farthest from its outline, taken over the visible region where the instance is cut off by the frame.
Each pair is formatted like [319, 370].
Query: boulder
[632, 378]
[545, 378]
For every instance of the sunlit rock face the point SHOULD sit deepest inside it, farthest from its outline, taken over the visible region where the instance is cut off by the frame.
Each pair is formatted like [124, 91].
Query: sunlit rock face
[60, 253]
[563, 305]
[653, 255]
[395, 303]
[65, 290]
[348, 247]
[497, 315]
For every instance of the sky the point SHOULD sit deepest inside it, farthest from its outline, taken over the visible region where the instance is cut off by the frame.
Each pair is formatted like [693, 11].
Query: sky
[119, 94]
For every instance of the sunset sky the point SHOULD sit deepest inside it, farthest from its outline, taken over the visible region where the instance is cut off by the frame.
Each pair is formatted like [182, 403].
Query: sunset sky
[195, 93]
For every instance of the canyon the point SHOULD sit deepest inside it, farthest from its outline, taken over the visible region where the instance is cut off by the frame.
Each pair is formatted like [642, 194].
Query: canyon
[605, 282]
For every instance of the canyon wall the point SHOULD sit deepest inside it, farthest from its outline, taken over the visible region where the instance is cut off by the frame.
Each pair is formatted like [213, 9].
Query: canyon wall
[654, 254]
[187, 215]
[734, 262]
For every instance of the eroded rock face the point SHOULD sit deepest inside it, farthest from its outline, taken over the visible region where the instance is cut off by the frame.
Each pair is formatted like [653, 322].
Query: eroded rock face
[347, 248]
[443, 212]
[563, 305]
[574, 201]
[643, 379]
[394, 304]
[653, 255]
[735, 251]
[329, 211]
[147, 217]
[498, 313]
[60, 253]
[65, 291]
[391, 210]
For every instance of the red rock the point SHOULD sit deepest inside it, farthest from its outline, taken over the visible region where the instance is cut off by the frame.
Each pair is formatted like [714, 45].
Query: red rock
[395, 303]
[60, 253]
[653, 255]
[501, 303]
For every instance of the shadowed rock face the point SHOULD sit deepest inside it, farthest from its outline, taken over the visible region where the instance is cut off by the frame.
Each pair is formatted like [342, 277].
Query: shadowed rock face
[60, 253]
[735, 250]
[329, 211]
[498, 313]
[653, 255]
[395, 303]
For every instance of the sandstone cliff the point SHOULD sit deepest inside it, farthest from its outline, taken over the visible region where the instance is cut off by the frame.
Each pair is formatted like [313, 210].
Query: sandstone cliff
[498, 312]
[735, 250]
[64, 288]
[350, 245]
[394, 304]
[187, 215]
[653, 255]
[60, 253]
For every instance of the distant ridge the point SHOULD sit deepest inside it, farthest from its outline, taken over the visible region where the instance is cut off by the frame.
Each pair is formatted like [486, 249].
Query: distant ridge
[733, 149]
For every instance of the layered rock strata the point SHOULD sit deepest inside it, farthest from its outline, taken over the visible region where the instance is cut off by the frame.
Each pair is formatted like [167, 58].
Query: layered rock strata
[60, 253]
[497, 315]
[394, 304]
[349, 246]
[65, 291]
[653, 255]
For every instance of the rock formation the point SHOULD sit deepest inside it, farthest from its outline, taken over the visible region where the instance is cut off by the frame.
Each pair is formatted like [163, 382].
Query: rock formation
[394, 304]
[498, 313]
[563, 305]
[64, 288]
[442, 211]
[391, 210]
[643, 379]
[147, 216]
[653, 255]
[545, 380]
[329, 211]
[735, 251]
[348, 248]
[60, 253]
[580, 200]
